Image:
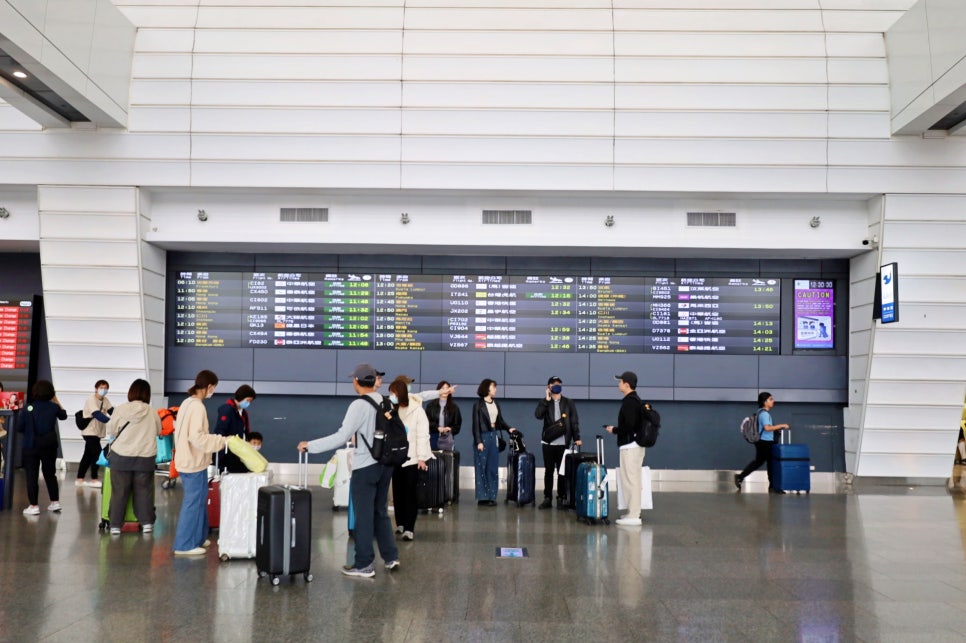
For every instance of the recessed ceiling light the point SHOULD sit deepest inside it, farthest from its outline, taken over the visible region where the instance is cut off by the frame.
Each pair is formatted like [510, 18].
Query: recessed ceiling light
[19, 74]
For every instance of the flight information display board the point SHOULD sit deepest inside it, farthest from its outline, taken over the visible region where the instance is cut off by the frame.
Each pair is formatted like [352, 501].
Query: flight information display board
[466, 312]
[15, 333]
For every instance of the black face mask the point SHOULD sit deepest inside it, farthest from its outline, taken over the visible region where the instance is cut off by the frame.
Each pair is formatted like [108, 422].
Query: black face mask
[556, 389]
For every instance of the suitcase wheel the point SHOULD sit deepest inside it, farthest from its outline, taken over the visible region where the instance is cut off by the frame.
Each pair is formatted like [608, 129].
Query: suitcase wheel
[308, 577]
[262, 574]
[223, 557]
[166, 484]
[606, 521]
[102, 525]
[275, 580]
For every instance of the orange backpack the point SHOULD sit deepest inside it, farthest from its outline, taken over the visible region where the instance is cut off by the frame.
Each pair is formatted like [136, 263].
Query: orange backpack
[168, 416]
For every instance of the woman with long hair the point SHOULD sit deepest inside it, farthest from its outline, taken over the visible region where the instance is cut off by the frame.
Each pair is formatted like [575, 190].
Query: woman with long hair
[487, 420]
[406, 475]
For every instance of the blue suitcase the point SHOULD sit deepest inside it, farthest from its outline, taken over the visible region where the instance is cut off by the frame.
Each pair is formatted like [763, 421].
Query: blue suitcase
[790, 468]
[521, 479]
[591, 497]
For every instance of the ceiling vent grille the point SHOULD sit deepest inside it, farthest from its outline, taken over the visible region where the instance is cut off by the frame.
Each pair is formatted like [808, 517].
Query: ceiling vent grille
[303, 215]
[712, 219]
[507, 217]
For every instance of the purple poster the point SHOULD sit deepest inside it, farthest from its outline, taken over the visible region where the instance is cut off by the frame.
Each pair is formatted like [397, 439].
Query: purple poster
[814, 313]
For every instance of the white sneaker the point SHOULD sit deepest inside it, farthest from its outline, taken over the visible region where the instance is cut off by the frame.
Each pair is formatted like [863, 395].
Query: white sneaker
[629, 522]
[115, 531]
[94, 483]
[80, 483]
[407, 535]
[148, 528]
[197, 551]
[400, 529]
[54, 506]
[32, 510]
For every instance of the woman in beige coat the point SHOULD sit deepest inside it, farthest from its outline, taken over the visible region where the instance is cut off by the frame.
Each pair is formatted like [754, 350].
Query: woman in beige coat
[406, 475]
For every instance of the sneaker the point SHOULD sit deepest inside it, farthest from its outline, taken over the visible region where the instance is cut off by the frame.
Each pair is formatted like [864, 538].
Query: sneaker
[148, 528]
[392, 565]
[197, 551]
[367, 572]
[629, 522]
[115, 531]
[80, 483]
[546, 504]
[738, 481]
[400, 529]
[95, 483]
[407, 535]
[54, 506]
[32, 510]
[207, 543]
[778, 491]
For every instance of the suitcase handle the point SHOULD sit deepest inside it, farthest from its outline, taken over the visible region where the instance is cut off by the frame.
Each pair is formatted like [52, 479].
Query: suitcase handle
[600, 450]
[303, 480]
[781, 436]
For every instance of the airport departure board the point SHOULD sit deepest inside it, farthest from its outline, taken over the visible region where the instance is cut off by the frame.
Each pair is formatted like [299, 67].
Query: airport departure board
[15, 333]
[467, 312]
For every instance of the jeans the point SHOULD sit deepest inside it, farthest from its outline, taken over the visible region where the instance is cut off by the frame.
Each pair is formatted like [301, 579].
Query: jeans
[193, 520]
[404, 496]
[486, 463]
[92, 449]
[141, 485]
[552, 457]
[33, 461]
[370, 498]
[762, 456]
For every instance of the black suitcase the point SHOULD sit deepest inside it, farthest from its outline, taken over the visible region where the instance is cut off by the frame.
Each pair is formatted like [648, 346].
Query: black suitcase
[451, 464]
[284, 523]
[431, 486]
[567, 483]
[521, 479]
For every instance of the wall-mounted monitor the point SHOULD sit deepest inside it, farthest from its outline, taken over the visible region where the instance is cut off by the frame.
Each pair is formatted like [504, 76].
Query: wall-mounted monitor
[16, 341]
[814, 313]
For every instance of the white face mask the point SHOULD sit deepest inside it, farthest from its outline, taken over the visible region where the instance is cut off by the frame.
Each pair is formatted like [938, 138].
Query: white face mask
[257, 447]
[102, 392]
[210, 395]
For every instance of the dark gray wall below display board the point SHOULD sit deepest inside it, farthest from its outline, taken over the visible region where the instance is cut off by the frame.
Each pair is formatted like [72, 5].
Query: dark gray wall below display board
[694, 435]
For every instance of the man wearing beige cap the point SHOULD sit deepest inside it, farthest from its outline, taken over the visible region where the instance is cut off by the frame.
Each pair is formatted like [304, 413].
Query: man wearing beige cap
[630, 420]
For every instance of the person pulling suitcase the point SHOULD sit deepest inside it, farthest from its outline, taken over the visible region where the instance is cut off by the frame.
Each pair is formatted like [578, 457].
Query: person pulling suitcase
[766, 439]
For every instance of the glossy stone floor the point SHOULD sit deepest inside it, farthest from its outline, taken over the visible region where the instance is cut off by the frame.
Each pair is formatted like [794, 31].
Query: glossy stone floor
[871, 563]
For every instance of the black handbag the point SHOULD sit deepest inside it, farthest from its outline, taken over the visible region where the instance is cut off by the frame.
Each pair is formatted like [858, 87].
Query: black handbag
[553, 432]
[500, 443]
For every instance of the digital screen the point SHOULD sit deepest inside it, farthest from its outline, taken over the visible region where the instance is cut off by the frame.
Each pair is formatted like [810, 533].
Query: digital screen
[16, 324]
[889, 285]
[814, 313]
[467, 312]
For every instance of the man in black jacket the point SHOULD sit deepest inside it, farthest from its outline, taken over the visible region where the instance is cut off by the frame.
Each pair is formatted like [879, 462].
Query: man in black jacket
[560, 428]
[630, 420]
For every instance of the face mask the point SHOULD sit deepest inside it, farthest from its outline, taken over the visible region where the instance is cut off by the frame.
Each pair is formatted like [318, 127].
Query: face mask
[409, 388]
[243, 404]
[210, 395]
[102, 392]
[257, 447]
[555, 389]
[393, 398]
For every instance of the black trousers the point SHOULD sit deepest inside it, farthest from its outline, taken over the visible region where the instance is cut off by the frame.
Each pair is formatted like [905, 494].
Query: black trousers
[123, 484]
[762, 456]
[404, 496]
[35, 460]
[552, 457]
[92, 449]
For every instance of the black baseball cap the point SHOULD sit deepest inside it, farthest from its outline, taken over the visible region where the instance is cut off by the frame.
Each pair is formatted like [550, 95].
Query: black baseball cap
[554, 380]
[628, 376]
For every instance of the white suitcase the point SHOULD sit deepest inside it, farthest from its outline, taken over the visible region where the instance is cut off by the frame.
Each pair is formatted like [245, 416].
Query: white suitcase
[340, 491]
[237, 534]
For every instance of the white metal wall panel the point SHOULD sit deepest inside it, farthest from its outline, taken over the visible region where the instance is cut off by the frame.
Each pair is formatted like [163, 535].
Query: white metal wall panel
[96, 227]
[90, 306]
[289, 94]
[927, 393]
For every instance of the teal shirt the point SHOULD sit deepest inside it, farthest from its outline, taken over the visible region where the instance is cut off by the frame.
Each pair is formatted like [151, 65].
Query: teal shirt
[764, 419]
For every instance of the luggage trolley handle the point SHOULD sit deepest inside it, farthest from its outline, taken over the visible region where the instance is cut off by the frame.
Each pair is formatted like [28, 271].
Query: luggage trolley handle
[781, 436]
[600, 461]
[303, 475]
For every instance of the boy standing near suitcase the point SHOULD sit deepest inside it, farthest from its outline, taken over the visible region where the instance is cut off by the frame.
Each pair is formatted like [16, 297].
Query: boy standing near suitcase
[370, 480]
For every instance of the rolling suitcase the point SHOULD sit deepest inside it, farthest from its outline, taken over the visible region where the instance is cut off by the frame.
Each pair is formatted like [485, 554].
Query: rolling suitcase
[451, 464]
[284, 523]
[130, 520]
[592, 489]
[239, 509]
[521, 479]
[567, 483]
[790, 467]
[214, 503]
[431, 486]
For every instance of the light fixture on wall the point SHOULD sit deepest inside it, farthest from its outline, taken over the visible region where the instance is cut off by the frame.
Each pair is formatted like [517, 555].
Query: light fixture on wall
[202, 216]
[4, 213]
[609, 221]
[815, 222]
[19, 74]
[404, 218]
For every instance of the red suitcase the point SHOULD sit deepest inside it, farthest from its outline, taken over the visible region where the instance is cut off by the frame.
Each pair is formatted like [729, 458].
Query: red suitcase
[214, 503]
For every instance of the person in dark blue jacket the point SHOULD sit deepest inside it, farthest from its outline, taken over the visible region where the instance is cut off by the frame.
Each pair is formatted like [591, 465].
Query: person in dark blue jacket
[233, 420]
[38, 423]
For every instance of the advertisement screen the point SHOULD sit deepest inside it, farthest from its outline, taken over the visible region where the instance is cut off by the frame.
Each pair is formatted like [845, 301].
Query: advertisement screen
[814, 313]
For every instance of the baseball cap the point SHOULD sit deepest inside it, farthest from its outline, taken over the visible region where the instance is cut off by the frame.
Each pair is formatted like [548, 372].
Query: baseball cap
[365, 372]
[628, 376]
[553, 379]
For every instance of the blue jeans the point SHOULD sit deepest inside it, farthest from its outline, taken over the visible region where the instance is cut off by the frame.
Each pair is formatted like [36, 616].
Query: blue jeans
[193, 519]
[370, 499]
[486, 463]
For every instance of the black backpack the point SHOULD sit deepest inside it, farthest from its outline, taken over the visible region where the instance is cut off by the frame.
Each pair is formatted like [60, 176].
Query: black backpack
[650, 427]
[81, 421]
[390, 446]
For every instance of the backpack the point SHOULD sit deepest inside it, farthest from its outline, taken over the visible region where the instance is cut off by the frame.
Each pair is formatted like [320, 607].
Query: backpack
[651, 426]
[749, 428]
[390, 446]
[81, 421]
[168, 417]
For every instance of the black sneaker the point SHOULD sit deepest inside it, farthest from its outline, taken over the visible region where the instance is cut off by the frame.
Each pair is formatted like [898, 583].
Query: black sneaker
[738, 481]
[773, 490]
[546, 504]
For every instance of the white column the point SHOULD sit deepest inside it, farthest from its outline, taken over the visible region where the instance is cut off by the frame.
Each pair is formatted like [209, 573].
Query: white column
[103, 295]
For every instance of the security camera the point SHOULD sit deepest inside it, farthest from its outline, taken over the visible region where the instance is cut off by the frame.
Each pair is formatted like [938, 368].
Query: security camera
[202, 215]
[866, 242]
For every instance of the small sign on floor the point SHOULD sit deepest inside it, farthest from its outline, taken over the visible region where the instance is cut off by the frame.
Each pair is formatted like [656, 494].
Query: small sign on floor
[512, 552]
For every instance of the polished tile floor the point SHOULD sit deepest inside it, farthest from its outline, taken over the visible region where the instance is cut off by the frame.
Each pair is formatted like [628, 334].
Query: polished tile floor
[869, 563]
